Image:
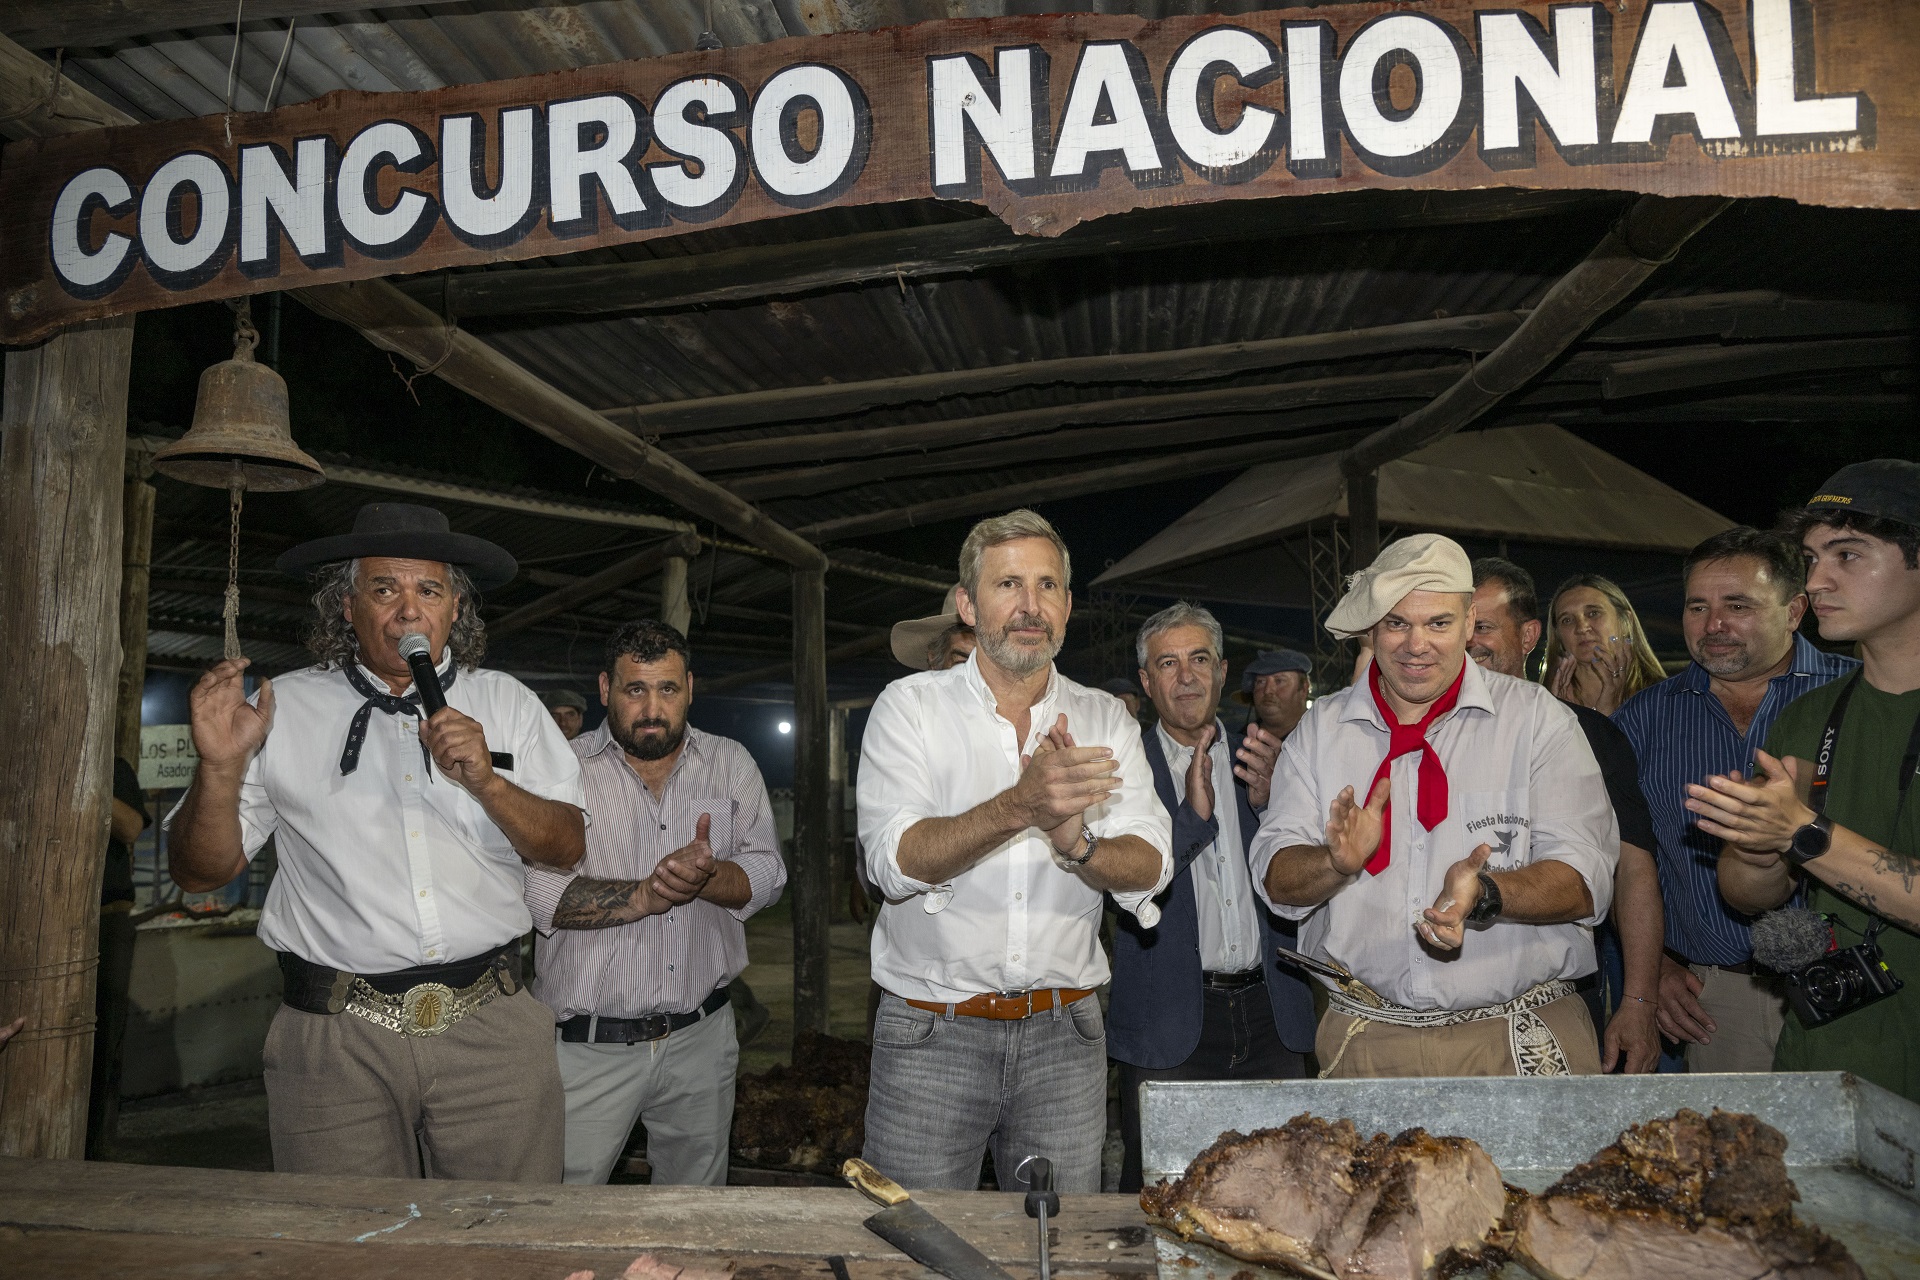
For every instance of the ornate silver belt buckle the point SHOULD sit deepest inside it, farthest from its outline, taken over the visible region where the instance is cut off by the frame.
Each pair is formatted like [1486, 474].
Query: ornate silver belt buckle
[427, 1009]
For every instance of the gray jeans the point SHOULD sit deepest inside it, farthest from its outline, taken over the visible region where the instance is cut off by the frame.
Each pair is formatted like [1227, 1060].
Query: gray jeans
[944, 1090]
[681, 1087]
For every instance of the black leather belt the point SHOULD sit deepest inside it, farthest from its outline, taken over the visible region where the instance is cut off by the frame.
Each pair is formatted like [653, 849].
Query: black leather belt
[314, 988]
[1745, 968]
[1234, 981]
[655, 1026]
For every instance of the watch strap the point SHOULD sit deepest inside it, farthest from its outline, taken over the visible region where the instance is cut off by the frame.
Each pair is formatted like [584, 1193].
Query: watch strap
[1487, 910]
[1810, 841]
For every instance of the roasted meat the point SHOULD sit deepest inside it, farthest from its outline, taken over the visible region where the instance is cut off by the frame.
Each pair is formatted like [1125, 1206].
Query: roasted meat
[1315, 1197]
[1691, 1197]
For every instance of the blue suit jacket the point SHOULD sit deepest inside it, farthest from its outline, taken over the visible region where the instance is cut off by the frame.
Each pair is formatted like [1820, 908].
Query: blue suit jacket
[1153, 1018]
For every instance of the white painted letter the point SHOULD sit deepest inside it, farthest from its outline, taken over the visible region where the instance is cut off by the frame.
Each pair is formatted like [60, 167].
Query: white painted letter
[76, 266]
[956, 97]
[1442, 85]
[1104, 73]
[1563, 89]
[209, 181]
[373, 148]
[842, 131]
[712, 147]
[1202, 144]
[1776, 108]
[1306, 112]
[299, 201]
[463, 171]
[569, 166]
[1672, 29]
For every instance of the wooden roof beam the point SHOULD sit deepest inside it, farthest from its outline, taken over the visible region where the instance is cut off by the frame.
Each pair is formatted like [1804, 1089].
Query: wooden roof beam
[1072, 484]
[394, 322]
[913, 437]
[594, 586]
[89, 24]
[1746, 314]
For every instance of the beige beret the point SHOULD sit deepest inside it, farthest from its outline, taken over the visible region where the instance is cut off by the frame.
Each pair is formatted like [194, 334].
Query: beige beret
[1423, 562]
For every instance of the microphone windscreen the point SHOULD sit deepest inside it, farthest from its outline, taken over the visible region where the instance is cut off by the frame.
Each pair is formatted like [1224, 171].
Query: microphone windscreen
[1790, 939]
[415, 645]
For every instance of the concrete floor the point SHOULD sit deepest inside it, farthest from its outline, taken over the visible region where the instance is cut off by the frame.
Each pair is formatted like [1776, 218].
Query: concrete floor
[226, 1127]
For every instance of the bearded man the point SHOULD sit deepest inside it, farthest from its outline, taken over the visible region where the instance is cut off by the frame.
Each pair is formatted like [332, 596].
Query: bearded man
[406, 1044]
[1443, 836]
[998, 801]
[641, 939]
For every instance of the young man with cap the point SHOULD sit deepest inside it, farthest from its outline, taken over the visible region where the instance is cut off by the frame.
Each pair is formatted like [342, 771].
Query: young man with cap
[998, 801]
[1830, 806]
[568, 709]
[406, 1044]
[1202, 996]
[1276, 684]
[1443, 835]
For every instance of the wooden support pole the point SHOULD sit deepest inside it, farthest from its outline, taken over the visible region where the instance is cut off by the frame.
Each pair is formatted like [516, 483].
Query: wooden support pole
[136, 575]
[839, 847]
[1363, 516]
[675, 609]
[62, 469]
[810, 876]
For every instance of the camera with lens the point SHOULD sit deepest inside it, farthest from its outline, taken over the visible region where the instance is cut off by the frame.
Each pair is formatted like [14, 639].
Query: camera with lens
[1824, 980]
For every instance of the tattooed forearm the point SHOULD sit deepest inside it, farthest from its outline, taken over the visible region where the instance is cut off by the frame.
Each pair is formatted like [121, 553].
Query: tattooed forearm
[1888, 863]
[1859, 893]
[597, 904]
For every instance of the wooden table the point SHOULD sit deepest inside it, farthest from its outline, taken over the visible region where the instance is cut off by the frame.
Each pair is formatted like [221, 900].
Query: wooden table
[69, 1218]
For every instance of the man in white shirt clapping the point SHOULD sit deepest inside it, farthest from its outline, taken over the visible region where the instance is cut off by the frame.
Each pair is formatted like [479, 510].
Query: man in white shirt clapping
[998, 800]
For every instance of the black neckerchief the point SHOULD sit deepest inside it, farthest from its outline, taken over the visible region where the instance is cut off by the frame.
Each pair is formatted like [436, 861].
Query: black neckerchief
[406, 705]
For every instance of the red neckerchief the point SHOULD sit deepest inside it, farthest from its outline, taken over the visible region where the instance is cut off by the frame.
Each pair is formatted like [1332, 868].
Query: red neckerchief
[1431, 807]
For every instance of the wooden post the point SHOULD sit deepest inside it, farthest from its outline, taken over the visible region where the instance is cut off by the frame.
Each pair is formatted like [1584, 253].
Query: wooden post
[675, 610]
[837, 844]
[62, 463]
[809, 878]
[136, 555]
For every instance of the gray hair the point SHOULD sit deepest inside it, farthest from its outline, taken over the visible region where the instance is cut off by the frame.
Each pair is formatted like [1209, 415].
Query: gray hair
[331, 639]
[1010, 527]
[1179, 614]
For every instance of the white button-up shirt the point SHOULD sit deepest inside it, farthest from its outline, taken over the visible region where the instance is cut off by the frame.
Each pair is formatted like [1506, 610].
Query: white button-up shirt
[934, 747]
[392, 866]
[1222, 889]
[1520, 778]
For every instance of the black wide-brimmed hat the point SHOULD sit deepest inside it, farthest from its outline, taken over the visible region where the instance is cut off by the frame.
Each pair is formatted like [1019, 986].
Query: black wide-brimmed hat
[406, 531]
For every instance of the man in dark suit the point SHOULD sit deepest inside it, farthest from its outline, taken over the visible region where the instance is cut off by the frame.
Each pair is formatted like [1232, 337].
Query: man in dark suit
[1202, 997]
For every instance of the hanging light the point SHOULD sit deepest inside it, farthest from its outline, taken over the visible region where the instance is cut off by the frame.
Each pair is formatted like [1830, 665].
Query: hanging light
[241, 439]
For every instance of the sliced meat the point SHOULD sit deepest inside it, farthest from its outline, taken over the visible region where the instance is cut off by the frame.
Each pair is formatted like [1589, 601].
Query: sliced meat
[1313, 1196]
[1689, 1197]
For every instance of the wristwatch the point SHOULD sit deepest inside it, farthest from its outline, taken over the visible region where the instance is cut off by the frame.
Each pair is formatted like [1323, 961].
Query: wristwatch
[1487, 910]
[1087, 840]
[1810, 841]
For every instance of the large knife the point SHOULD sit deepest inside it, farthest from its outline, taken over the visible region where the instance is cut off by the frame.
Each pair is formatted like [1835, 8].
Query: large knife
[915, 1232]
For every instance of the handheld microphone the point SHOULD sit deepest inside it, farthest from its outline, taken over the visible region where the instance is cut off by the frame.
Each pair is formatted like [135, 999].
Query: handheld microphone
[418, 652]
[1788, 940]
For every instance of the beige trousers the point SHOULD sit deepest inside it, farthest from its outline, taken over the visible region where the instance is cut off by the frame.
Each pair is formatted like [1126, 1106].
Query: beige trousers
[1468, 1049]
[1748, 1011]
[481, 1100]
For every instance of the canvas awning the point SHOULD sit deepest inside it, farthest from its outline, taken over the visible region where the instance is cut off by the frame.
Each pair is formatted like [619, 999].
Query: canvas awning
[1540, 484]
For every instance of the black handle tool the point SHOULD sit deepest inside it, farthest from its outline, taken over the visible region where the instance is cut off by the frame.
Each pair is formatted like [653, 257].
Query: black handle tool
[1042, 1201]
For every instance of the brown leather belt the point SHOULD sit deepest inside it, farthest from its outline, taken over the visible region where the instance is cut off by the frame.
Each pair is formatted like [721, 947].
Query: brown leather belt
[1005, 1008]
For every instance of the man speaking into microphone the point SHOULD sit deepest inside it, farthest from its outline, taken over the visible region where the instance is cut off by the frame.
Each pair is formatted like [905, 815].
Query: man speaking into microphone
[407, 1045]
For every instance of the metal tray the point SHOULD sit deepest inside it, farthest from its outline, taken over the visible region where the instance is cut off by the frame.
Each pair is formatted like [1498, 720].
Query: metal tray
[1852, 1147]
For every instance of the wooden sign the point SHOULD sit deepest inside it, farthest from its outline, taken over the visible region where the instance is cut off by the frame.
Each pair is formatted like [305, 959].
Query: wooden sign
[1048, 121]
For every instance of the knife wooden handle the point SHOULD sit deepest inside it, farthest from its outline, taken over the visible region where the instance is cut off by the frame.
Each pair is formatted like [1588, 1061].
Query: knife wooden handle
[872, 1183]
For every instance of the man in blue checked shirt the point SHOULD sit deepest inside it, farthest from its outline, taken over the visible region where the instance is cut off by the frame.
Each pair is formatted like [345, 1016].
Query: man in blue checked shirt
[1745, 594]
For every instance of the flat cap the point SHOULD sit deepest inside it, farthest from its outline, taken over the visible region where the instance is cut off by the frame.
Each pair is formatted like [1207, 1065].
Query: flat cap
[1422, 562]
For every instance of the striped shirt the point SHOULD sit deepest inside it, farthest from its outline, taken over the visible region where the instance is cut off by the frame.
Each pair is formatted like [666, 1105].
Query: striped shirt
[666, 963]
[1682, 734]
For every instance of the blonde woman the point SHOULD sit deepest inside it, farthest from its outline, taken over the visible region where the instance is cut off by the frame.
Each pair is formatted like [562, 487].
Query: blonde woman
[1597, 651]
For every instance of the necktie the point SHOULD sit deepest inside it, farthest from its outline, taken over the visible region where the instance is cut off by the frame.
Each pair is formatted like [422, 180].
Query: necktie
[376, 700]
[1431, 805]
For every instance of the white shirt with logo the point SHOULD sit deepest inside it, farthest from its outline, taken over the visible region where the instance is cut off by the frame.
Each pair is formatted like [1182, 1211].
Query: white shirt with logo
[1521, 779]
